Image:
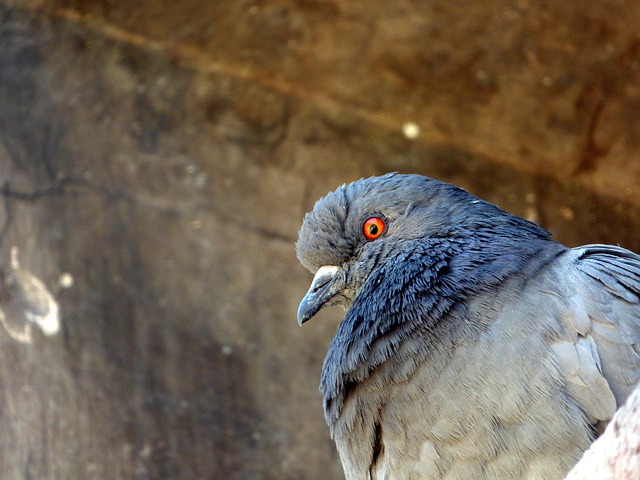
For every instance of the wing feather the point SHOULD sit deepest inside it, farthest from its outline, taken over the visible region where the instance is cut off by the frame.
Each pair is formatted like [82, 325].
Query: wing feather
[607, 280]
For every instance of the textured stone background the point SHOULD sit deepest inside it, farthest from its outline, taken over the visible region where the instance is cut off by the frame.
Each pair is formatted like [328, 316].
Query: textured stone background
[162, 153]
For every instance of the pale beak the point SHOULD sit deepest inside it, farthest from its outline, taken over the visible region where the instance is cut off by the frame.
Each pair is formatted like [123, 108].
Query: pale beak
[324, 286]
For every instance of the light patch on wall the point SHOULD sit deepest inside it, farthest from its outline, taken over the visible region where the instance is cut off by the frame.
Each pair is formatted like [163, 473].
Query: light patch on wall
[411, 130]
[25, 302]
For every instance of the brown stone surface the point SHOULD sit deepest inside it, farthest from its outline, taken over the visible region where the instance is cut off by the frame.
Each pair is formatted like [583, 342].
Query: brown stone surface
[163, 153]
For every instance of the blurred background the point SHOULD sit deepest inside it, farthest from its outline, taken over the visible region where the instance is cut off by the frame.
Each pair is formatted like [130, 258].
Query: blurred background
[156, 160]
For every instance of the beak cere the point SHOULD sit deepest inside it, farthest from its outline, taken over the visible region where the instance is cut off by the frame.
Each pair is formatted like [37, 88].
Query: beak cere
[323, 287]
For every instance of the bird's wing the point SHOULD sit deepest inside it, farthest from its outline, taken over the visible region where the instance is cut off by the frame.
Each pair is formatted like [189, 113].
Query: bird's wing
[616, 454]
[607, 314]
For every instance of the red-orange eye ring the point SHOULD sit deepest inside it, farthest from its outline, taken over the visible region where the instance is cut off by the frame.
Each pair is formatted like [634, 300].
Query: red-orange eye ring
[373, 227]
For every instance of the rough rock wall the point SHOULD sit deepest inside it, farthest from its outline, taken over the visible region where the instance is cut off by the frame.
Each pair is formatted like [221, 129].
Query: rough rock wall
[156, 159]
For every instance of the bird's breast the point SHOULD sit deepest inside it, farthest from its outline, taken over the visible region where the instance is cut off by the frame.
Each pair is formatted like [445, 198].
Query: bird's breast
[481, 402]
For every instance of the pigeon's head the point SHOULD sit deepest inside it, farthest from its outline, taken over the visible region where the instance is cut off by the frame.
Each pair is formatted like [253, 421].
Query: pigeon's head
[361, 226]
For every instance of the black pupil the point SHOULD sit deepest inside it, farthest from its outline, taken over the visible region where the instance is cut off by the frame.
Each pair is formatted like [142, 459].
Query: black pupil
[373, 229]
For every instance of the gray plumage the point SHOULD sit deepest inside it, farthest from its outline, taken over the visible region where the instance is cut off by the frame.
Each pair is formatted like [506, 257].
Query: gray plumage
[473, 345]
[616, 453]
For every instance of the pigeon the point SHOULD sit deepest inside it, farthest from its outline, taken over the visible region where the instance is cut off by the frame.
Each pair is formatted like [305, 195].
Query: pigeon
[474, 346]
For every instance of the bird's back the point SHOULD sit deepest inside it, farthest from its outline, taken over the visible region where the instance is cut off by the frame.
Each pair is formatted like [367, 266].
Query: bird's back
[511, 383]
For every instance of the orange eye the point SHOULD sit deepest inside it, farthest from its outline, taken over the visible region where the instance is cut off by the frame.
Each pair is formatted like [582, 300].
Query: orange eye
[373, 228]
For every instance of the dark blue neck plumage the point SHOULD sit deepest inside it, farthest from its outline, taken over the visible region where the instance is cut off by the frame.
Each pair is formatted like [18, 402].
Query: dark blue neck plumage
[418, 285]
